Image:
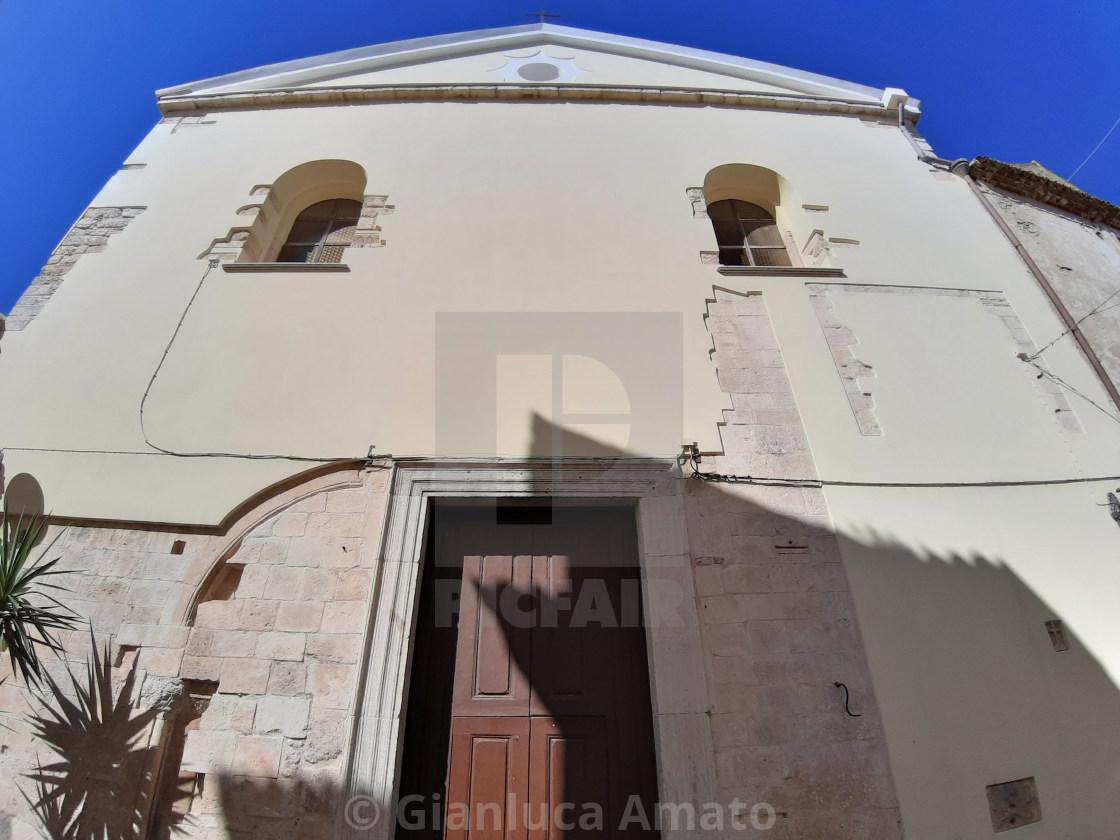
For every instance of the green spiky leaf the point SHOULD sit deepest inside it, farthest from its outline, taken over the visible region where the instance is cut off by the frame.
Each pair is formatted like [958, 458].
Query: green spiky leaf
[30, 615]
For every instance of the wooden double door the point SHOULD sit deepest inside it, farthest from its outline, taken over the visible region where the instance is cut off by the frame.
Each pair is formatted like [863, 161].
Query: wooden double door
[543, 657]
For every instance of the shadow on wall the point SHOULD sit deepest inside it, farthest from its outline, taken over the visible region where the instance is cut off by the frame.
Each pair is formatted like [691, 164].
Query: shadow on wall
[100, 752]
[972, 690]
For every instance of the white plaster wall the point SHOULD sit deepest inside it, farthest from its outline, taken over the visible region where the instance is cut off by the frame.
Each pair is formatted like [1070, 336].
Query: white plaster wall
[500, 207]
[953, 588]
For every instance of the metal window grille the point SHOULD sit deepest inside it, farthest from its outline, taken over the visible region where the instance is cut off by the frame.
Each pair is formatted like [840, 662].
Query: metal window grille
[321, 232]
[1057, 635]
[746, 234]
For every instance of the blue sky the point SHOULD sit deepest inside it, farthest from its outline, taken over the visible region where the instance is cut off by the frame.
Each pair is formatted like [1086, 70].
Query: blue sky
[1015, 81]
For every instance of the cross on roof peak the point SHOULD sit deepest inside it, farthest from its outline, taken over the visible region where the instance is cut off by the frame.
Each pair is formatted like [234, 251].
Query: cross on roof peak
[542, 14]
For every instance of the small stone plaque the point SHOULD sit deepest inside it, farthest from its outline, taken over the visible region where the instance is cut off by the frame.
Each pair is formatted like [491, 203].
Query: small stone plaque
[1014, 804]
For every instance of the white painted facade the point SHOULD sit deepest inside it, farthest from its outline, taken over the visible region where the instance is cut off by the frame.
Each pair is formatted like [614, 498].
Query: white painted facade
[539, 258]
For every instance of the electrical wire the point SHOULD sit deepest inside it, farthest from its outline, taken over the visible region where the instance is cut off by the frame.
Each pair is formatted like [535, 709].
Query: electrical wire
[1095, 150]
[239, 455]
[730, 478]
[1062, 383]
[1095, 311]
[693, 457]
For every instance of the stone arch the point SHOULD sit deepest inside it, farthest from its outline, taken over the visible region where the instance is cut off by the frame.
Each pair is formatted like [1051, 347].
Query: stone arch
[746, 182]
[209, 564]
[273, 207]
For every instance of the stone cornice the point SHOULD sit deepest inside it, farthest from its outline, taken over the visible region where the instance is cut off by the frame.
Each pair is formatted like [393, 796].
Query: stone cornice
[619, 94]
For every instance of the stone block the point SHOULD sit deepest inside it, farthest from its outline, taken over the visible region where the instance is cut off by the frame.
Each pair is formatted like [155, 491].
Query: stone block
[102, 589]
[745, 578]
[159, 567]
[253, 580]
[201, 668]
[767, 638]
[219, 615]
[152, 592]
[160, 662]
[722, 609]
[346, 501]
[289, 525]
[283, 583]
[208, 752]
[316, 503]
[259, 615]
[319, 585]
[764, 607]
[331, 686]
[353, 585]
[242, 714]
[326, 735]
[256, 755]
[200, 641]
[300, 616]
[336, 524]
[344, 617]
[273, 552]
[244, 676]
[726, 639]
[334, 647]
[708, 580]
[233, 643]
[288, 678]
[276, 645]
[286, 716]
[305, 551]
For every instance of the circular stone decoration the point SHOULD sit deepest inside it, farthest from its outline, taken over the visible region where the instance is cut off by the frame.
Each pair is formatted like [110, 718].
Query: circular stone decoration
[538, 71]
[539, 67]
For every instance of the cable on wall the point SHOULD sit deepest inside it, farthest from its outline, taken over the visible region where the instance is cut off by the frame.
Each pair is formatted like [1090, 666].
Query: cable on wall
[1095, 311]
[693, 460]
[211, 265]
[1057, 380]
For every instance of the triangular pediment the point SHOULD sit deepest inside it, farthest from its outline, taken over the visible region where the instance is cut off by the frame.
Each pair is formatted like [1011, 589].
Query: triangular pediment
[527, 55]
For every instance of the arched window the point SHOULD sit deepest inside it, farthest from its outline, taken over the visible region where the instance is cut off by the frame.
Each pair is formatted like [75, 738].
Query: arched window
[746, 234]
[320, 232]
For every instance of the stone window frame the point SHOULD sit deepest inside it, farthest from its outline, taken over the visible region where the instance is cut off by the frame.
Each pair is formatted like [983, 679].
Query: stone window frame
[682, 732]
[254, 243]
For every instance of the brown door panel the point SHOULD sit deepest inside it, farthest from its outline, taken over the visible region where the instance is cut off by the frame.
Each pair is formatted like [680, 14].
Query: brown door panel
[488, 778]
[569, 791]
[491, 662]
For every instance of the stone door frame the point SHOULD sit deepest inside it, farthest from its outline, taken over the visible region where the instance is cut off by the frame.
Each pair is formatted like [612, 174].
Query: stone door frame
[682, 732]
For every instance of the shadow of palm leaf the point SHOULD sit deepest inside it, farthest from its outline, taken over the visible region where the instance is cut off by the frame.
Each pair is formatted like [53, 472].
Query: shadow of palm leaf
[98, 738]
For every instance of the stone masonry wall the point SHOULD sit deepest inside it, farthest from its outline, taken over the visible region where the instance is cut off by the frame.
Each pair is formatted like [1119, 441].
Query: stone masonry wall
[89, 235]
[268, 665]
[777, 619]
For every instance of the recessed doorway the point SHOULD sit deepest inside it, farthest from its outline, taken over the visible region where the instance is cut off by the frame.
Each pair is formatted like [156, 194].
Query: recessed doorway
[529, 712]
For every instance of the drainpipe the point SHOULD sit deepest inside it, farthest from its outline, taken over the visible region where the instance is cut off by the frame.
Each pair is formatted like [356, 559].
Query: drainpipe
[1032, 266]
[961, 168]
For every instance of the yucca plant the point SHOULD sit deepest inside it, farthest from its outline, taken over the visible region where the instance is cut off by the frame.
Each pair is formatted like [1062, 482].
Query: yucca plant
[29, 614]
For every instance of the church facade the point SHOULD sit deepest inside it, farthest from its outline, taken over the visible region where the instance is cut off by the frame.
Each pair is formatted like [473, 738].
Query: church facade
[539, 421]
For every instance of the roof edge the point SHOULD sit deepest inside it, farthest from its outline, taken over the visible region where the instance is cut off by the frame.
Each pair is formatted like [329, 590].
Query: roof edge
[1058, 194]
[449, 45]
